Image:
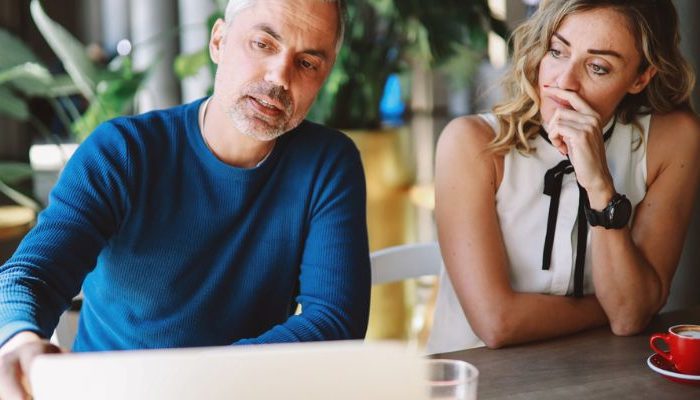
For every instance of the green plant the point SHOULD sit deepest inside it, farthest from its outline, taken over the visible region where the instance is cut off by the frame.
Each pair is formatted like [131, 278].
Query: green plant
[189, 64]
[385, 37]
[23, 77]
[110, 89]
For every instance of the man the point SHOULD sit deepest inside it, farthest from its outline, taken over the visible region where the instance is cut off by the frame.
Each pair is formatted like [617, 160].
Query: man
[205, 224]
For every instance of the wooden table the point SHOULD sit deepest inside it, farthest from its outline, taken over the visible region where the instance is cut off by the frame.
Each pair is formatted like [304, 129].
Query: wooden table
[590, 365]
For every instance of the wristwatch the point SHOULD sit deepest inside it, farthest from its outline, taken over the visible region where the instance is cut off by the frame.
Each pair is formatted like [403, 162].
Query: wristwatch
[615, 215]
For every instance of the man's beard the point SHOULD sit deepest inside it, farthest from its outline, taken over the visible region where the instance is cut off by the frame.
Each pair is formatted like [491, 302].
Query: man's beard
[258, 125]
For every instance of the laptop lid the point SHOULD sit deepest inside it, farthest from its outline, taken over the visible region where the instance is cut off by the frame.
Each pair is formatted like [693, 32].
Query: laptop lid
[306, 371]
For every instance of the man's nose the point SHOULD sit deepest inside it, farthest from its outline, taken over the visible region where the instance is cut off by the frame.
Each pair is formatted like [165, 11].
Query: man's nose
[279, 71]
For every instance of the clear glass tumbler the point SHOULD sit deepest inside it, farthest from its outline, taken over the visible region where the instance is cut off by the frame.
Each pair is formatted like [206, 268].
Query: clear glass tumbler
[452, 380]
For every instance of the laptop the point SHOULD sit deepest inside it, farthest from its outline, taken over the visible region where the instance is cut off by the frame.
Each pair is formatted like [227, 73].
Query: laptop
[348, 370]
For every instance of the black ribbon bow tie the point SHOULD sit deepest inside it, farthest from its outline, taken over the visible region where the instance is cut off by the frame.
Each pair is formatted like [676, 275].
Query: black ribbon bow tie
[552, 187]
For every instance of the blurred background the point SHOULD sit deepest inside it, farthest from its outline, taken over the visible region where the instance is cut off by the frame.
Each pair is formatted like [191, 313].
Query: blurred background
[406, 68]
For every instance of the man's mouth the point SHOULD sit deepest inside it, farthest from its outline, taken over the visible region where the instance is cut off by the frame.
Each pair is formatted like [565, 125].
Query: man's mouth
[267, 103]
[266, 106]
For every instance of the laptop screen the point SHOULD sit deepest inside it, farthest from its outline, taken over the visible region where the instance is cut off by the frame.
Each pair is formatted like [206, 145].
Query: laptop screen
[347, 370]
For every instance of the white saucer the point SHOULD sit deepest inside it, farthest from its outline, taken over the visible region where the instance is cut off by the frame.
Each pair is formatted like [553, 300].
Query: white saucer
[663, 367]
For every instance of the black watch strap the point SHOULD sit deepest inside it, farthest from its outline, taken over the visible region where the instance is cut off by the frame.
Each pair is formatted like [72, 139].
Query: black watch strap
[615, 215]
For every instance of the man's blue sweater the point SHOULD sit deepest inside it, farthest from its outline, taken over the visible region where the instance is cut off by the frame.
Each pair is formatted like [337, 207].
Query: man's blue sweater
[178, 249]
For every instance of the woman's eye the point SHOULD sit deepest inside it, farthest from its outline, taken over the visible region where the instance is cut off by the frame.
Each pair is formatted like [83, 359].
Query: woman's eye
[599, 70]
[260, 45]
[555, 53]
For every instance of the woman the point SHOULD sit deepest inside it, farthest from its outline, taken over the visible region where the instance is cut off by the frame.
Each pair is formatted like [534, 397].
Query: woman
[566, 208]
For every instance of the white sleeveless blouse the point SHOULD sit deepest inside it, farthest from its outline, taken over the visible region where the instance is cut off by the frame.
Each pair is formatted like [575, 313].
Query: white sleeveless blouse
[523, 211]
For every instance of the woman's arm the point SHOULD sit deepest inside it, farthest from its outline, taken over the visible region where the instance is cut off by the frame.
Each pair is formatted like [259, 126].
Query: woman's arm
[467, 178]
[633, 269]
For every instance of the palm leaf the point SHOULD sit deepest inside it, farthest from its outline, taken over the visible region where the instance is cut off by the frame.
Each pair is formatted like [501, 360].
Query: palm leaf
[189, 64]
[68, 49]
[12, 106]
[384, 37]
[13, 52]
[18, 197]
[30, 78]
[113, 99]
[62, 85]
[13, 173]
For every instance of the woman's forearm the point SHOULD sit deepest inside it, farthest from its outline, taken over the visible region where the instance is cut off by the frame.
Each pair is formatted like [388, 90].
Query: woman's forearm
[627, 286]
[526, 317]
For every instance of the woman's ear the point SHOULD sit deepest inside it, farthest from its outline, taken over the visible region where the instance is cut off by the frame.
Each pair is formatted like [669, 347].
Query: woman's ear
[642, 80]
[216, 42]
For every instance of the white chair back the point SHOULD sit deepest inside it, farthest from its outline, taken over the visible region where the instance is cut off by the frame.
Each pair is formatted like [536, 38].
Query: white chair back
[405, 261]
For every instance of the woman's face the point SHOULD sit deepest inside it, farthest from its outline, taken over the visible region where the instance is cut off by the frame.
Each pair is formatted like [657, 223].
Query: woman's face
[593, 54]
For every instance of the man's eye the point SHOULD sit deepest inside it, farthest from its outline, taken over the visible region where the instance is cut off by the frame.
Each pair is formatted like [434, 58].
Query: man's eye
[307, 65]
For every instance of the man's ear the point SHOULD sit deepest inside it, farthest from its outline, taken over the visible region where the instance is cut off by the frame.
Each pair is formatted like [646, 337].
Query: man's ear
[642, 80]
[216, 42]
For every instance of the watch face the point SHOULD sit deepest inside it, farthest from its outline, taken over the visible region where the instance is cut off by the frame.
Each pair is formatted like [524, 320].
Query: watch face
[609, 215]
[619, 212]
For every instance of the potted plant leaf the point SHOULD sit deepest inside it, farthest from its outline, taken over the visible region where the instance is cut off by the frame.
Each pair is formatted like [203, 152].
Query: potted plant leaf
[23, 77]
[385, 37]
[392, 37]
[109, 91]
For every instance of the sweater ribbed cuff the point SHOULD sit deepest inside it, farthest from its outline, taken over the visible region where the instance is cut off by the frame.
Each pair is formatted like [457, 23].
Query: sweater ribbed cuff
[9, 330]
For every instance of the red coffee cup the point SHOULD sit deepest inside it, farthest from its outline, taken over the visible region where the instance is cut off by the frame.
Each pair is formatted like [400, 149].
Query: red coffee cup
[683, 342]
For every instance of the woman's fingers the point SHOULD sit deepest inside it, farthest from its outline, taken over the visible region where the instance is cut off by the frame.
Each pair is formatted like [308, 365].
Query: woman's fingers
[562, 128]
[576, 102]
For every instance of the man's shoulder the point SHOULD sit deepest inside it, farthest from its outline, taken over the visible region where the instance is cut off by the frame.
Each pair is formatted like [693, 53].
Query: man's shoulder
[313, 135]
[153, 127]
[160, 119]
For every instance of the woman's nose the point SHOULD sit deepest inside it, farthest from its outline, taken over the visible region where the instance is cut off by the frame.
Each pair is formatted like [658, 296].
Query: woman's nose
[568, 78]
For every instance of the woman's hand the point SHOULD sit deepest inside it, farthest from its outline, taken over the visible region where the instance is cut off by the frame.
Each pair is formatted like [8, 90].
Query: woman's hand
[575, 129]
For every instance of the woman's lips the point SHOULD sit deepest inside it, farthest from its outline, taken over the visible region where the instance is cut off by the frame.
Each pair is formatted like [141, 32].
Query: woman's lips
[561, 102]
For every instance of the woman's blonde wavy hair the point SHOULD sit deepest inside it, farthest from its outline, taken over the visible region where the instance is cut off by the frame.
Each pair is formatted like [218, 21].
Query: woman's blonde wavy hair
[654, 23]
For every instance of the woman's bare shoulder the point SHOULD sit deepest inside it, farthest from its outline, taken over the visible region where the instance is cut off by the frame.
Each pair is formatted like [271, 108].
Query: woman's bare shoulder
[467, 135]
[464, 146]
[677, 128]
[674, 140]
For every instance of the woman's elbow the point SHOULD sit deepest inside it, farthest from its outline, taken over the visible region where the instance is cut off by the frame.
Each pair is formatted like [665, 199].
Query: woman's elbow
[635, 317]
[629, 325]
[626, 328]
[494, 332]
[494, 341]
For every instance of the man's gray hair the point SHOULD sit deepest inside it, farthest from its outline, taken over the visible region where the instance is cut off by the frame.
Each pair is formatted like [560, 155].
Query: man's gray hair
[235, 6]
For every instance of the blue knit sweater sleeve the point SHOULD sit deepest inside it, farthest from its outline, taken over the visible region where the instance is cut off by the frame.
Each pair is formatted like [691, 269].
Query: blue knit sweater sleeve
[334, 284]
[45, 273]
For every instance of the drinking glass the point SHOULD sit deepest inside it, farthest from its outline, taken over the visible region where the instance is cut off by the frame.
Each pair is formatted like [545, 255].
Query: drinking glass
[452, 380]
